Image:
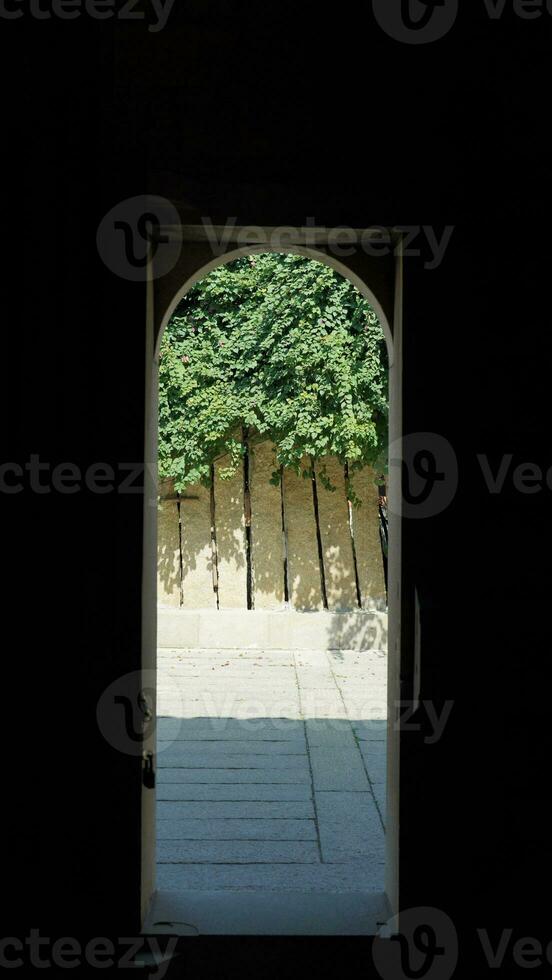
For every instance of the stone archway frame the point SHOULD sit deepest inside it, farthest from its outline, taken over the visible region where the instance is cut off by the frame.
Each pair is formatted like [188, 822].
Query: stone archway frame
[380, 282]
[194, 264]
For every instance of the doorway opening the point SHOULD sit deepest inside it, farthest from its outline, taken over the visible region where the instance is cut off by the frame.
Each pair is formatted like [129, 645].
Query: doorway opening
[272, 601]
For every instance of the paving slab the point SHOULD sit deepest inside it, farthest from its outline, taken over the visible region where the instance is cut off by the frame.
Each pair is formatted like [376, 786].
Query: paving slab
[363, 688]
[230, 729]
[310, 659]
[323, 704]
[237, 852]
[205, 748]
[224, 705]
[364, 709]
[215, 656]
[375, 760]
[261, 770]
[224, 692]
[358, 813]
[271, 792]
[239, 667]
[246, 829]
[361, 876]
[309, 679]
[250, 719]
[374, 729]
[380, 792]
[173, 754]
[235, 776]
[238, 680]
[330, 733]
[366, 672]
[234, 810]
[337, 768]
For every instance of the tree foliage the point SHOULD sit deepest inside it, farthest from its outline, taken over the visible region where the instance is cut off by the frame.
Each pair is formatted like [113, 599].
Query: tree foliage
[283, 347]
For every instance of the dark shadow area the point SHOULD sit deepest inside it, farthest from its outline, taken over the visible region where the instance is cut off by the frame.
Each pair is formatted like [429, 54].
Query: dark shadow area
[259, 804]
[169, 571]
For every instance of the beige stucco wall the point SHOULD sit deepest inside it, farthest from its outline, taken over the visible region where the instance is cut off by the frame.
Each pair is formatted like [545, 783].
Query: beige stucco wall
[197, 569]
[267, 550]
[230, 528]
[333, 512]
[367, 539]
[304, 569]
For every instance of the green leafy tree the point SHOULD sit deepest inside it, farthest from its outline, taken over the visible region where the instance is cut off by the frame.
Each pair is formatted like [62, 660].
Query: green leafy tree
[278, 346]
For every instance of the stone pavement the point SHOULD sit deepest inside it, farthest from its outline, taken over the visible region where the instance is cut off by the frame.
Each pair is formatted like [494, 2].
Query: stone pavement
[271, 770]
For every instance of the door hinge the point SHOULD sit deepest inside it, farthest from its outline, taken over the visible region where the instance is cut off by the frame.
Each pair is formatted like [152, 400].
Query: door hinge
[143, 704]
[148, 770]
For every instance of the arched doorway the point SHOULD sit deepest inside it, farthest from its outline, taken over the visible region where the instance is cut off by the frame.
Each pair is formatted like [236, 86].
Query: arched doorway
[164, 299]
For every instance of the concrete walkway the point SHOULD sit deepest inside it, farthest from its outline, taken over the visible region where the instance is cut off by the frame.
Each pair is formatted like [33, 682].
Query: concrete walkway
[271, 771]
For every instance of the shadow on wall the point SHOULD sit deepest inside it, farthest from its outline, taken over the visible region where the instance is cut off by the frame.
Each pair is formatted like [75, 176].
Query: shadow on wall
[303, 558]
[357, 631]
[168, 546]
